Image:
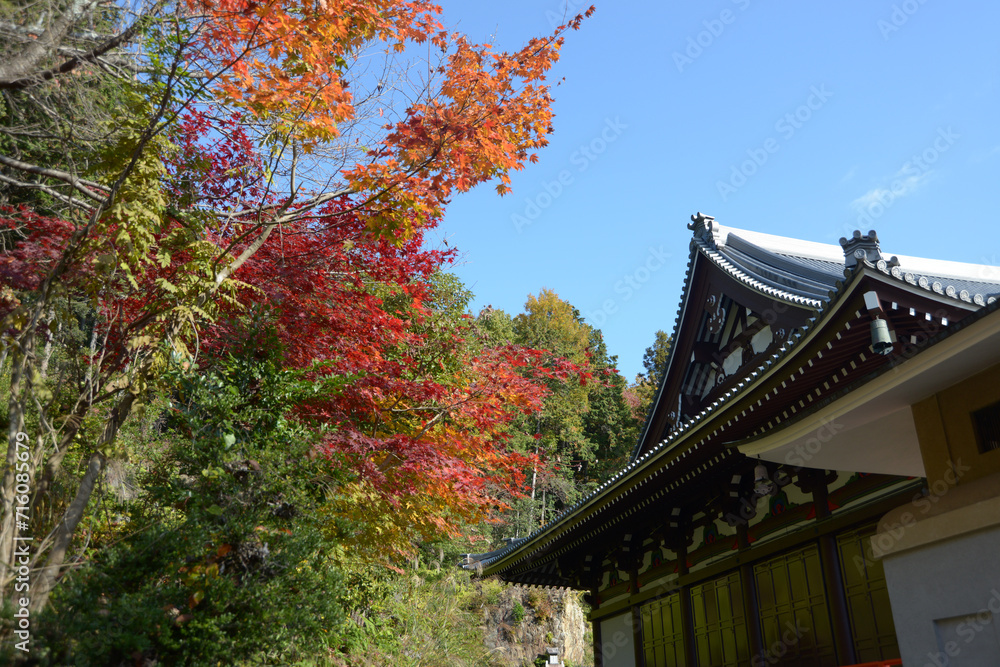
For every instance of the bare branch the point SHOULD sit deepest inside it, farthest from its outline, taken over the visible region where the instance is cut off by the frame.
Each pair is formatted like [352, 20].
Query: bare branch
[49, 191]
[17, 67]
[74, 62]
[65, 177]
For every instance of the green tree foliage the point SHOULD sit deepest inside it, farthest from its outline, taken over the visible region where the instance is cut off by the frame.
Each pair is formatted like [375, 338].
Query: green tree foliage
[495, 327]
[549, 323]
[610, 423]
[165, 169]
[555, 326]
[642, 391]
[654, 360]
[585, 430]
[217, 553]
[448, 321]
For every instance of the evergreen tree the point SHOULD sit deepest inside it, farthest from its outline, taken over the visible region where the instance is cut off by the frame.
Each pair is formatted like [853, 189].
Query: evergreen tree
[654, 360]
[642, 392]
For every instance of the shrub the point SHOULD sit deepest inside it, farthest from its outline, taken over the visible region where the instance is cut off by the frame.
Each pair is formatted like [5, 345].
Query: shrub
[492, 590]
[163, 596]
[540, 602]
[223, 559]
[518, 611]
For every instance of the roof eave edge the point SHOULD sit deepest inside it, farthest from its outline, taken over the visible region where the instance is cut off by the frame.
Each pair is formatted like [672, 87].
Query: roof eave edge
[697, 423]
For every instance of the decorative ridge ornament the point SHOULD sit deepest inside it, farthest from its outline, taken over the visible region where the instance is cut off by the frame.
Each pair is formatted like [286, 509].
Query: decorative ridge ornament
[704, 227]
[861, 247]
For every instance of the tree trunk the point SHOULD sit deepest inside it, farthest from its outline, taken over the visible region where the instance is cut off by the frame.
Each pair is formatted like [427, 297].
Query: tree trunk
[44, 481]
[46, 578]
[63, 534]
[22, 64]
[47, 349]
[19, 365]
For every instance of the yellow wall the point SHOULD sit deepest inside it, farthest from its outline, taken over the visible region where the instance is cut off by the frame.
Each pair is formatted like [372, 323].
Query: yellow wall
[947, 435]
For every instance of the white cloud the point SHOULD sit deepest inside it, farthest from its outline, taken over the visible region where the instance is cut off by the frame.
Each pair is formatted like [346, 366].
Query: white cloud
[849, 176]
[909, 178]
[869, 198]
[905, 182]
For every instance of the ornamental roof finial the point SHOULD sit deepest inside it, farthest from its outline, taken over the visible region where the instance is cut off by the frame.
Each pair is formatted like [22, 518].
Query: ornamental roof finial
[703, 227]
[860, 247]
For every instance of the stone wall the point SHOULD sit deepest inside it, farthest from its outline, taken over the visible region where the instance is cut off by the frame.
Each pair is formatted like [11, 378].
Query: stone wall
[526, 620]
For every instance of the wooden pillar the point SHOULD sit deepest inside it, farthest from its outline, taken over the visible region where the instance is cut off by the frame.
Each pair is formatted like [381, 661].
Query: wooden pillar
[687, 618]
[593, 599]
[839, 615]
[829, 557]
[598, 647]
[751, 604]
[640, 654]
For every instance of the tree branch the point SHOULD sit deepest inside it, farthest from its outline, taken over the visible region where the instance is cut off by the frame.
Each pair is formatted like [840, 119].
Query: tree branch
[65, 177]
[18, 67]
[75, 61]
[47, 190]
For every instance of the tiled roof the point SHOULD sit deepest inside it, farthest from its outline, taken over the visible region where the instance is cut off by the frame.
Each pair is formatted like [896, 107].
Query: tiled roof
[795, 271]
[979, 293]
[805, 272]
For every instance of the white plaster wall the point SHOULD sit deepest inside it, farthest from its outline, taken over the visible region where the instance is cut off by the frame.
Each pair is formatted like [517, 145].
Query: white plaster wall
[733, 362]
[945, 601]
[762, 339]
[617, 641]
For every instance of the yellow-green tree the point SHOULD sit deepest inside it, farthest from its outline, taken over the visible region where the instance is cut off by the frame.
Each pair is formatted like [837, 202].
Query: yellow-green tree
[585, 429]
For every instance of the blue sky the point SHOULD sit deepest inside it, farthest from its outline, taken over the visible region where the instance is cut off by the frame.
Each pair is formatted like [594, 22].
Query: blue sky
[807, 120]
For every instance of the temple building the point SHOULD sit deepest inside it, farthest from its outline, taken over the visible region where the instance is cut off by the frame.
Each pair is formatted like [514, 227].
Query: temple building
[818, 481]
